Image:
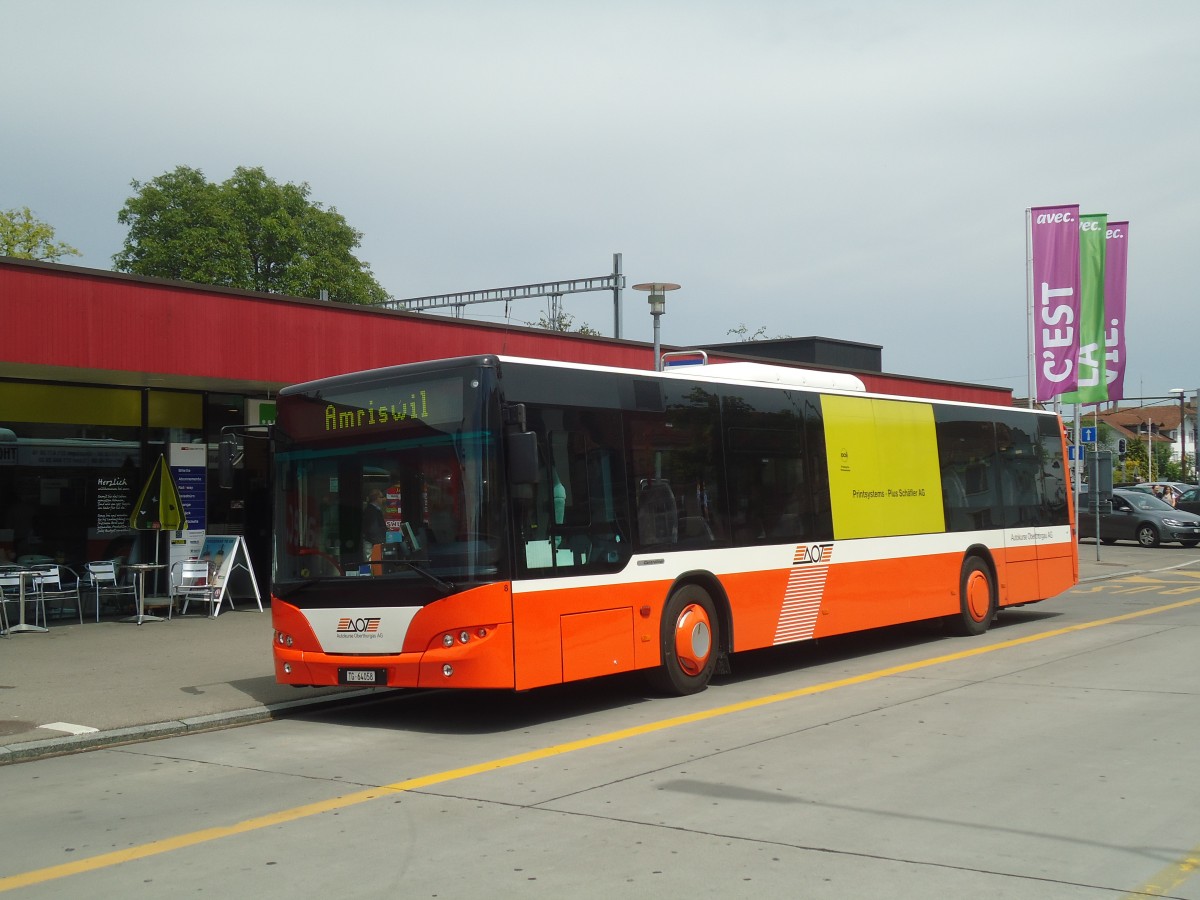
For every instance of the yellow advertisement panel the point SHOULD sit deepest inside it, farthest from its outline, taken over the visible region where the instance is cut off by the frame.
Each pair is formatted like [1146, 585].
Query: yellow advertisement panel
[883, 467]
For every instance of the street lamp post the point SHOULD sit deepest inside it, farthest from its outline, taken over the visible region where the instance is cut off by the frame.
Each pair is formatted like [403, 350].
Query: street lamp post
[1182, 435]
[658, 306]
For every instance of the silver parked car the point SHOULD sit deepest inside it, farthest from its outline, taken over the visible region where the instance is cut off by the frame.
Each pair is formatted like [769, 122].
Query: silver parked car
[1141, 517]
[1164, 490]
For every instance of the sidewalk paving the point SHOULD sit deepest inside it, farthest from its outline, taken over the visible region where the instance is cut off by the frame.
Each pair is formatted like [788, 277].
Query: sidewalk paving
[78, 687]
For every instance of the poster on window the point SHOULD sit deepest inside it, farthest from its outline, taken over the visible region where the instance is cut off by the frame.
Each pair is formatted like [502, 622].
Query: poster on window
[114, 503]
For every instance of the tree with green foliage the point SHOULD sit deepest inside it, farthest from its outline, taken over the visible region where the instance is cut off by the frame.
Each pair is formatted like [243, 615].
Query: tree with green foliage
[248, 232]
[24, 236]
[1136, 466]
[743, 333]
[563, 322]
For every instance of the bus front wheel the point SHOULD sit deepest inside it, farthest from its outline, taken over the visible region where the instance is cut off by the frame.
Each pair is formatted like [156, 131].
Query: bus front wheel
[690, 640]
[976, 598]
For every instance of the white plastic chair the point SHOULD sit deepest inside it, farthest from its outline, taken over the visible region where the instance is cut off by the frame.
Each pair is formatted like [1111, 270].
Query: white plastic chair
[192, 579]
[102, 578]
[57, 583]
[4, 589]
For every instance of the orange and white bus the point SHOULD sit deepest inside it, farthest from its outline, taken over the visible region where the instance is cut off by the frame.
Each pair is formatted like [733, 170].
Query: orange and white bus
[547, 522]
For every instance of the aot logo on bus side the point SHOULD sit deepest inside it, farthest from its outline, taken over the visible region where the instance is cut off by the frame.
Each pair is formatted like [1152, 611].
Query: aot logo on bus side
[812, 553]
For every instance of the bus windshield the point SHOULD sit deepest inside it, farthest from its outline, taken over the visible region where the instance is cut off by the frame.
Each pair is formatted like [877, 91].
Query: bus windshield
[390, 480]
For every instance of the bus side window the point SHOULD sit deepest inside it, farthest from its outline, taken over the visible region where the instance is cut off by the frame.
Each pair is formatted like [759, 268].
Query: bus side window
[771, 498]
[971, 491]
[677, 476]
[570, 521]
[658, 520]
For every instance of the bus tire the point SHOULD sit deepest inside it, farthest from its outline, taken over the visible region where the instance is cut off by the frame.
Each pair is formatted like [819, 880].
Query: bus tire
[690, 640]
[976, 598]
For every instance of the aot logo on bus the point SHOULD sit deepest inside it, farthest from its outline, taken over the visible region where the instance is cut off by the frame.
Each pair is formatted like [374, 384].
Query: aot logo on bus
[812, 553]
[363, 626]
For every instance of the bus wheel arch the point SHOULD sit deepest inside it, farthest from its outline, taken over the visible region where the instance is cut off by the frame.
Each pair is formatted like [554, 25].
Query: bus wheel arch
[693, 635]
[978, 595]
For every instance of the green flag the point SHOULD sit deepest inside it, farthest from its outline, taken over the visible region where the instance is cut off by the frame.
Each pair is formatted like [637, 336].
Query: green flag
[1093, 380]
[159, 506]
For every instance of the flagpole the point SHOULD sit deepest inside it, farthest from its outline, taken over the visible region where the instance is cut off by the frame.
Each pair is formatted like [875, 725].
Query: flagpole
[1096, 424]
[1080, 457]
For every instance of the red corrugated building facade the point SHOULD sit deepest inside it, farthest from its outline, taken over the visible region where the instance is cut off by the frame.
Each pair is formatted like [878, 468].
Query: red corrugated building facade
[102, 372]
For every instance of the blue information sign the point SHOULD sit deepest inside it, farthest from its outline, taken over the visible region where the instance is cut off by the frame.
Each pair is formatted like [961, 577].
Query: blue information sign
[192, 482]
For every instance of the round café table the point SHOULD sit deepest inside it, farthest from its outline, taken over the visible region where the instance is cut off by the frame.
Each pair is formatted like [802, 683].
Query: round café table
[22, 626]
[140, 570]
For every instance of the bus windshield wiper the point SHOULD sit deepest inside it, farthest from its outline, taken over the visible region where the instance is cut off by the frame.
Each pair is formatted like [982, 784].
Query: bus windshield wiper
[446, 587]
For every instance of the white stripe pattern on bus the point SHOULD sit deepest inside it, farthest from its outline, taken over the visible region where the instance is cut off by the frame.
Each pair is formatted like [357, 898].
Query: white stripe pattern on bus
[802, 597]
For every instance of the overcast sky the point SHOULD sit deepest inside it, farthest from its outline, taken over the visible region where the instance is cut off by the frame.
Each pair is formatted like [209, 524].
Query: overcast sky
[857, 171]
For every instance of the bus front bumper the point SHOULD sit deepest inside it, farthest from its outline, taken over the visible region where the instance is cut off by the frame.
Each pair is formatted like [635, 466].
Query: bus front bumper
[481, 657]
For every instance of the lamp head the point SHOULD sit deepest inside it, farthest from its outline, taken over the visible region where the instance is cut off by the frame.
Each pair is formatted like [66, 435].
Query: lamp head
[657, 291]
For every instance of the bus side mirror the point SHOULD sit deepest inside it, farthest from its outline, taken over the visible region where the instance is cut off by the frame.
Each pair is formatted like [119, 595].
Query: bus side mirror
[228, 456]
[521, 451]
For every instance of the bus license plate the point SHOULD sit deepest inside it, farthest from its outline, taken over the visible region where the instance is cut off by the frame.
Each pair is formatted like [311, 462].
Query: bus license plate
[362, 676]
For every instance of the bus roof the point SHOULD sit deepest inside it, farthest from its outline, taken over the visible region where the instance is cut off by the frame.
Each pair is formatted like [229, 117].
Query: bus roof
[736, 372]
[782, 376]
[762, 373]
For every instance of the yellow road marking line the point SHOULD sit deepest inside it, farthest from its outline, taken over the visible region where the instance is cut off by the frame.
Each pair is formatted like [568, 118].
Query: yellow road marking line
[191, 839]
[1170, 877]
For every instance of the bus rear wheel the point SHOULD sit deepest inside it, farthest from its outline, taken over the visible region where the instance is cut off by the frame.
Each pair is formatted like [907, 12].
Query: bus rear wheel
[976, 598]
[690, 640]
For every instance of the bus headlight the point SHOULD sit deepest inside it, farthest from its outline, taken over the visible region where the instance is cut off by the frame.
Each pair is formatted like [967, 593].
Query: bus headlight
[447, 670]
[447, 640]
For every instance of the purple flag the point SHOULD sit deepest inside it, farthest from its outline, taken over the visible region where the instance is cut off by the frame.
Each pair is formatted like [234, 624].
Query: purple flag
[1116, 265]
[1054, 239]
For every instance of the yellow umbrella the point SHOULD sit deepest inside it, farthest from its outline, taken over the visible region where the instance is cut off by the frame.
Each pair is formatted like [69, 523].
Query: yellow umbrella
[159, 507]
